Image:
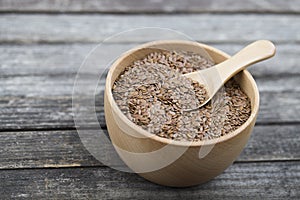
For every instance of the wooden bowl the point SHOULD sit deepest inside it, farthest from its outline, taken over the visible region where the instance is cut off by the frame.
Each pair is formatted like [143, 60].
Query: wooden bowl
[137, 147]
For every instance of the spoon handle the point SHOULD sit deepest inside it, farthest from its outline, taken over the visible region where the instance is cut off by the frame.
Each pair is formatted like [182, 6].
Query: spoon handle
[253, 53]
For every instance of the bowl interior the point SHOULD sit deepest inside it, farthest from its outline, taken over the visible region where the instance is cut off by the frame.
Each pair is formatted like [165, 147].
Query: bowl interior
[244, 79]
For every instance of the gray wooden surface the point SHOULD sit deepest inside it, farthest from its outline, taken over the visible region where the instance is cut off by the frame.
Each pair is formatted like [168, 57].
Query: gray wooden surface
[151, 6]
[42, 45]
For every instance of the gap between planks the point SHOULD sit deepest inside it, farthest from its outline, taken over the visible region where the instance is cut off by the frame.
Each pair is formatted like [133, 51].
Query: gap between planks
[79, 166]
[151, 6]
[72, 128]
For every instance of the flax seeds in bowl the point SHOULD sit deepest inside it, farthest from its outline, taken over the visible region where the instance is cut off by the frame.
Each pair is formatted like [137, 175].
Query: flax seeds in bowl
[147, 125]
[153, 94]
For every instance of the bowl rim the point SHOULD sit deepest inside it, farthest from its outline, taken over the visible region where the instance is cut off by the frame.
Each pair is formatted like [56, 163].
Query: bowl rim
[166, 141]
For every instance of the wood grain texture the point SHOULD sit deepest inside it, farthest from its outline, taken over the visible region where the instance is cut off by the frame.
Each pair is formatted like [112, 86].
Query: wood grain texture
[39, 149]
[157, 6]
[252, 180]
[65, 59]
[51, 107]
[43, 149]
[95, 28]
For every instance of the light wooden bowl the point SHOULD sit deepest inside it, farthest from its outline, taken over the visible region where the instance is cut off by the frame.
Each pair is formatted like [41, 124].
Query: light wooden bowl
[188, 169]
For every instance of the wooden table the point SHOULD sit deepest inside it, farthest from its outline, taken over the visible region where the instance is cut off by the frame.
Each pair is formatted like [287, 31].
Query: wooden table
[42, 46]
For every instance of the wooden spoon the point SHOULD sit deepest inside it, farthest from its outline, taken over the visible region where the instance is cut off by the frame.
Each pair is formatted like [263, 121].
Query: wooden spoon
[213, 78]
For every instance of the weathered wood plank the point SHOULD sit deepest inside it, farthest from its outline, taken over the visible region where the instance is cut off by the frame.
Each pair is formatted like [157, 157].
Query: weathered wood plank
[95, 28]
[49, 105]
[39, 149]
[43, 86]
[252, 180]
[279, 108]
[283, 145]
[157, 6]
[36, 60]
[43, 149]
[62, 84]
